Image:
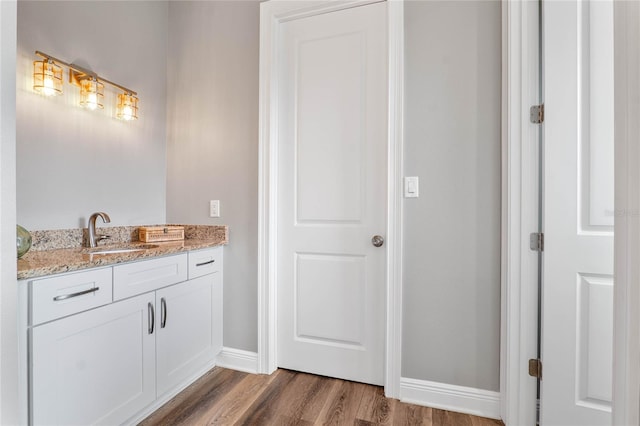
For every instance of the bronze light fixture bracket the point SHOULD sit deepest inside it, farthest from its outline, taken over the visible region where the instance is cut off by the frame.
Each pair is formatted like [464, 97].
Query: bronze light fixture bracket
[78, 73]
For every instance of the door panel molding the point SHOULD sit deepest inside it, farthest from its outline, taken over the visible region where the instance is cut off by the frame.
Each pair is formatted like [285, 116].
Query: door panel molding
[595, 115]
[595, 325]
[272, 14]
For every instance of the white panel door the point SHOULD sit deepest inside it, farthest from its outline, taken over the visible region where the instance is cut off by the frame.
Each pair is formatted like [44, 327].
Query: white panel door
[332, 140]
[577, 306]
[96, 367]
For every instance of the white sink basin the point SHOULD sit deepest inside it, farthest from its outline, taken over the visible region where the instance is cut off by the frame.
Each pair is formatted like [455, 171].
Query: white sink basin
[116, 249]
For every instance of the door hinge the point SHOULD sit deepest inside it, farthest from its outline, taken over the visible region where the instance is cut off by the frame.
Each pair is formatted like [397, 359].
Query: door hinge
[536, 113]
[535, 368]
[536, 241]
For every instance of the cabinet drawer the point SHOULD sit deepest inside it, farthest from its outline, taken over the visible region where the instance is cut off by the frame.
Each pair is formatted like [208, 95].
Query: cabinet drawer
[64, 295]
[203, 262]
[148, 275]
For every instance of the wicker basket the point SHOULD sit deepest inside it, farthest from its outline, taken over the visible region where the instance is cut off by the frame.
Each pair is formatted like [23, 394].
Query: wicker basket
[154, 234]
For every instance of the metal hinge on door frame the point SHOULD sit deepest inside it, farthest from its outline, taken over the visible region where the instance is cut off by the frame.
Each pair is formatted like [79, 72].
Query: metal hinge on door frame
[535, 368]
[536, 241]
[536, 114]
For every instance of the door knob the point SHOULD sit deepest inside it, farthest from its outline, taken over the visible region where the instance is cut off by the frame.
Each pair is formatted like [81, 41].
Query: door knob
[377, 241]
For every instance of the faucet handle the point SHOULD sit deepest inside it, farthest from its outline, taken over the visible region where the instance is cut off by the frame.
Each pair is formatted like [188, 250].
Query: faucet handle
[101, 237]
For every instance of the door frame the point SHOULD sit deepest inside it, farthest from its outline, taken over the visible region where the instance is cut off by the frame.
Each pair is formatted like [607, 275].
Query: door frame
[519, 265]
[272, 14]
[626, 336]
[12, 407]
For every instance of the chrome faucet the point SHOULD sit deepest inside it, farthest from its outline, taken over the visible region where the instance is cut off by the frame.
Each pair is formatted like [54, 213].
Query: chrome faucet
[93, 238]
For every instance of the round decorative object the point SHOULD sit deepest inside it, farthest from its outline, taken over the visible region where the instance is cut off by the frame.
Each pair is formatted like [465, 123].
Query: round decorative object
[23, 240]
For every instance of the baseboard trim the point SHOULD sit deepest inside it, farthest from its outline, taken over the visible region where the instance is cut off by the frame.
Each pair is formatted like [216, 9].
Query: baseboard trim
[477, 402]
[238, 359]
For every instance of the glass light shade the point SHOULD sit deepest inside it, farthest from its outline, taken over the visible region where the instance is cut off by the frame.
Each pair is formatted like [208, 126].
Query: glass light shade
[47, 78]
[127, 107]
[91, 94]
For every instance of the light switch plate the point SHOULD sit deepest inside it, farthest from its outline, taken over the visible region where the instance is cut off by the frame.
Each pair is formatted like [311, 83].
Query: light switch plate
[411, 187]
[214, 208]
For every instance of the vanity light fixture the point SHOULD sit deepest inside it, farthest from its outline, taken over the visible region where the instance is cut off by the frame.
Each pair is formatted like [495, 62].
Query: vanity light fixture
[47, 79]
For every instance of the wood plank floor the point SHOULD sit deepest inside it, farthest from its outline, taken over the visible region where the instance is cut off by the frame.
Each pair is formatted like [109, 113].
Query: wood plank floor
[229, 397]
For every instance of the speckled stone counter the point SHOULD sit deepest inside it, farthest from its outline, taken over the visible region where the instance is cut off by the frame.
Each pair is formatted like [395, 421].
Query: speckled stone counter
[59, 251]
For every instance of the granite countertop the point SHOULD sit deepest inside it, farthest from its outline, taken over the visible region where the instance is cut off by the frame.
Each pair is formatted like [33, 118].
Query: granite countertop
[60, 251]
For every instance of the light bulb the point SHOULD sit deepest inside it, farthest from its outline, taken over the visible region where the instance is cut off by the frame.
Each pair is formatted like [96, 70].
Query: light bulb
[92, 101]
[48, 89]
[127, 113]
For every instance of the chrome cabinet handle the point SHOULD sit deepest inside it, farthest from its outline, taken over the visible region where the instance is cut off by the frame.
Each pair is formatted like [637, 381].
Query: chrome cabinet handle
[377, 241]
[80, 293]
[152, 317]
[205, 263]
[163, 310]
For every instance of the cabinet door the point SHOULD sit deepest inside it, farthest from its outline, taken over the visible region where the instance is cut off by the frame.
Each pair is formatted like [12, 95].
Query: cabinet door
[96, 367]
[189, 318]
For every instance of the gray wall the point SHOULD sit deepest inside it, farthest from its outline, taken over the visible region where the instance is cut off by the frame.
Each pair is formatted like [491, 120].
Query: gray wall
[213, 141]
[70, 161]
[452, 239]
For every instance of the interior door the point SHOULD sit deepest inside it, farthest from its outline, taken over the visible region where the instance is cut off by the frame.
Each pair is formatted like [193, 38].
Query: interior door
[577, 303]
[332, 171]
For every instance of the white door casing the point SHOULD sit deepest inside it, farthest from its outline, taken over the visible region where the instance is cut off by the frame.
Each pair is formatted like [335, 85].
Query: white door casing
[332, 193]
[519, 289]
[626, 392]
[577, 303]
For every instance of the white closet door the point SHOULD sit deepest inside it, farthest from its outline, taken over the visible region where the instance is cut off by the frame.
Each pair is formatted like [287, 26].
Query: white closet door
[332, 163]
[577, 307]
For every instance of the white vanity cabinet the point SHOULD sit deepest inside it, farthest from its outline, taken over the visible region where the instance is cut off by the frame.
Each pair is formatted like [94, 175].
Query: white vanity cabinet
[114, 361]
